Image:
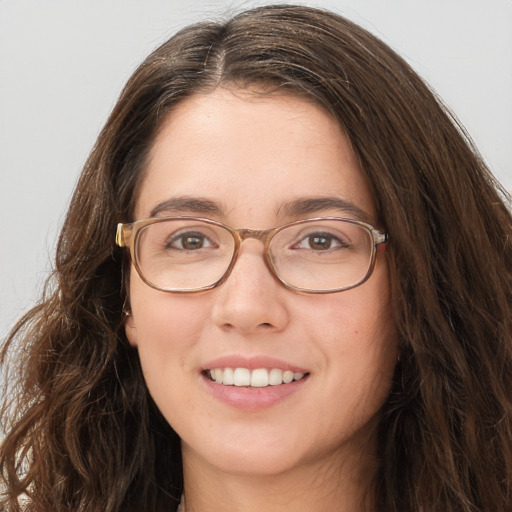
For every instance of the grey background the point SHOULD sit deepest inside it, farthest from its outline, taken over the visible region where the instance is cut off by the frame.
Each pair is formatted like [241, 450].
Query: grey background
[64, 62]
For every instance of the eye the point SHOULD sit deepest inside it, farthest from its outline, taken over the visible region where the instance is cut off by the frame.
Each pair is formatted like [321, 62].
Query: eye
[189, 241]
[321, 242]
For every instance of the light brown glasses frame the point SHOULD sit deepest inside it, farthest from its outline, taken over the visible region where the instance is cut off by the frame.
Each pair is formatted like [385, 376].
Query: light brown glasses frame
[127, 235]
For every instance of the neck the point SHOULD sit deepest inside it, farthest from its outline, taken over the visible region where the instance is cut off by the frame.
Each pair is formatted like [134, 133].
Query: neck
[344, 487]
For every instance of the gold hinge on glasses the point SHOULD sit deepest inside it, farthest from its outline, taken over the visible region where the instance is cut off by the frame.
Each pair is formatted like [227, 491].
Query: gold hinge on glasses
[120, 235]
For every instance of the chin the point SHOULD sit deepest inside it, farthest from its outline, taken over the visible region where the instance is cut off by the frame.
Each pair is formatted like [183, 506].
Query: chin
[256, 454]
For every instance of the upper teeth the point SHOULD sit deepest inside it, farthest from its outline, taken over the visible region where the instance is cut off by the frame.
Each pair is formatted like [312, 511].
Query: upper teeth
[258, 378]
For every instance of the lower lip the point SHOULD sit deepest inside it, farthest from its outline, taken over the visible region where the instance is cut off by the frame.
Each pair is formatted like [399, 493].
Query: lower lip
[253, 398]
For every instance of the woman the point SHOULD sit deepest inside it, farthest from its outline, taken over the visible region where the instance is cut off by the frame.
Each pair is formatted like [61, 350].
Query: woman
[308, 306]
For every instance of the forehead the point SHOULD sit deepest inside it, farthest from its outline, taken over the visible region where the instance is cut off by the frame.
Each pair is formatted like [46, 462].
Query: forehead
[248, 152]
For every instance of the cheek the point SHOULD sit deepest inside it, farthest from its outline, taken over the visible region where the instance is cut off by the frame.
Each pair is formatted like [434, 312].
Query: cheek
[356, 332]
[352, 319]
[164, 323]
[167, 328]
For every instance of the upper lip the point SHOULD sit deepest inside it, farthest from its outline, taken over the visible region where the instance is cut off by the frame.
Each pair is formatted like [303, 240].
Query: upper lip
[252, 363]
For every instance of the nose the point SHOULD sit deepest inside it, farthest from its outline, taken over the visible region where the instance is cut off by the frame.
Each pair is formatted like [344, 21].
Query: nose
[251, 300]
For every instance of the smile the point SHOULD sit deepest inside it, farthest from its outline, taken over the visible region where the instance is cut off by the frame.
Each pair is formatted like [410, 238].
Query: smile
[257, 378]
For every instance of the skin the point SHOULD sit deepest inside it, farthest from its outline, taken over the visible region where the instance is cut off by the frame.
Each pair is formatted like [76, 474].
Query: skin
[314, 450]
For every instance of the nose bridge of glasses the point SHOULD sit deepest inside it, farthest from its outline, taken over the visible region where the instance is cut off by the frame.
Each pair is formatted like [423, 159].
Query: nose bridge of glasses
[257, 234]
[261, 235]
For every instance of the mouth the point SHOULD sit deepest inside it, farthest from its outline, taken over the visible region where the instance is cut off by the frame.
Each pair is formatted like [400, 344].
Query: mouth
[256, 378]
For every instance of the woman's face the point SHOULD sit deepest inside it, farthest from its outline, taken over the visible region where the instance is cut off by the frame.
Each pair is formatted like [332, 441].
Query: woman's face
[249, 161]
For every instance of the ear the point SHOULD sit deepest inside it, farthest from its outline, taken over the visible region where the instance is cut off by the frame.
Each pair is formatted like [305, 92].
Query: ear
[130, 329]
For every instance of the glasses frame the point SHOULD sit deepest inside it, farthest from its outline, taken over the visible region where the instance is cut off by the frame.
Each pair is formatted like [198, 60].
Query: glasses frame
[127, 236]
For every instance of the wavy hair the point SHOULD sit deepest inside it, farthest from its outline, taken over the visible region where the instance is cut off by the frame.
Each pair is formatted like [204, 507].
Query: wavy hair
[82, 433]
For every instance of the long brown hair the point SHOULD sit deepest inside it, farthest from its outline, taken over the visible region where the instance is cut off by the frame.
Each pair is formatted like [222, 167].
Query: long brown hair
[82, 433]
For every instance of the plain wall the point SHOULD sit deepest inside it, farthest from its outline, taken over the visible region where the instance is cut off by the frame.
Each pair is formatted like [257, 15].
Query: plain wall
[63, 64]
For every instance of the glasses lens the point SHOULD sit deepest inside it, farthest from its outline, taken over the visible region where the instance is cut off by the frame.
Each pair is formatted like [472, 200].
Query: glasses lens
[184, 254]
[322, 255]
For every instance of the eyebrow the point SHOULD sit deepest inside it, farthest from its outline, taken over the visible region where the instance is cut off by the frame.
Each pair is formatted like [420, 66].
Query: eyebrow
[296, 208]
[314, 205]
[186, 204]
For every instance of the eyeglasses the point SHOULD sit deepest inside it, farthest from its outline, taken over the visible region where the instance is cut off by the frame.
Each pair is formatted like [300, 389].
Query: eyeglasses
[189, 254]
